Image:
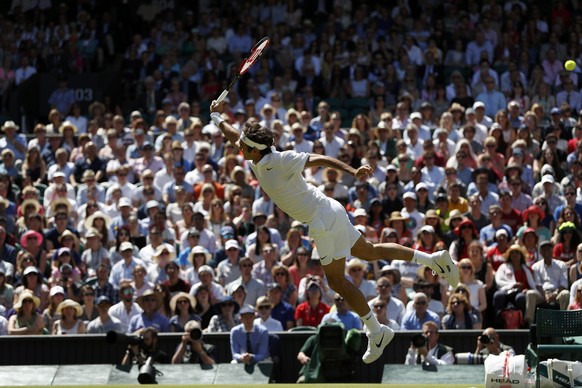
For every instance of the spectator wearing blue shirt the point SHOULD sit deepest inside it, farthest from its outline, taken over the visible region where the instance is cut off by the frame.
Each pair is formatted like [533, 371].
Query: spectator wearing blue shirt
[413, 320]
[62, 98]
[282, 311]
[343, 314]
[487, 233]
[150, 302]
[249, 342]
[12, 141]
[493, 99]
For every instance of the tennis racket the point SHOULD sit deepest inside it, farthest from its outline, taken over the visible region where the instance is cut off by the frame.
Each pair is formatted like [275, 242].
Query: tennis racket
[246, 64]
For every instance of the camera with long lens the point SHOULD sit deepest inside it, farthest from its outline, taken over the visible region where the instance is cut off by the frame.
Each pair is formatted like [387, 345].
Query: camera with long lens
[485, 339]
[196, 334]
[418, 341]
[115, 337]
[147, 372]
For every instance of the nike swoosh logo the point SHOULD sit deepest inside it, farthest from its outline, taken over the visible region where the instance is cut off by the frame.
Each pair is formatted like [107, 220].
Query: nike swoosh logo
[322, 258]
[441, 268]
[269, 169]
[381, 339]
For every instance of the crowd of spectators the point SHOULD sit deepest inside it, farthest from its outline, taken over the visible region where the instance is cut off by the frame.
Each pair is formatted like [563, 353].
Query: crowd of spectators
[136, 213]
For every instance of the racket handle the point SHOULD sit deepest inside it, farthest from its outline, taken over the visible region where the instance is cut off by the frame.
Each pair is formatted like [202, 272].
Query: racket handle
[222, 96]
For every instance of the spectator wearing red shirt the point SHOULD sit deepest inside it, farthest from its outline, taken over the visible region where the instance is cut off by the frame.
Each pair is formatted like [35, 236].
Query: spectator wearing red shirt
[509, 215]
[310, 312]
[568, 240]
[496, 252]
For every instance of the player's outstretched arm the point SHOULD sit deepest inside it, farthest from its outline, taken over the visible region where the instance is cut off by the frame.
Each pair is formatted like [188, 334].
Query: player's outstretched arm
[228, 130]
[316, 160]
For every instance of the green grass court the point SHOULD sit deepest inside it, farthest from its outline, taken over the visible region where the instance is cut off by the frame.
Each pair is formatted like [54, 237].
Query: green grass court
[432, 384]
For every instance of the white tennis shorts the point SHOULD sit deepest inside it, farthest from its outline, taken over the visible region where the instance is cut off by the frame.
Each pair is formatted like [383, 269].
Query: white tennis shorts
[333, 233]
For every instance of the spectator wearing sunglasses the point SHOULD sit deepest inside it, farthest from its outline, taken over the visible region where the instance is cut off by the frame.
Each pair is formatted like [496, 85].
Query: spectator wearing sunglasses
[343, 314]
[420, 314]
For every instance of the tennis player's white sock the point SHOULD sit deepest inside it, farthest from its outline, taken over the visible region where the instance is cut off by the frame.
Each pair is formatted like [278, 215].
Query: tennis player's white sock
[372, 323]
[422, 258]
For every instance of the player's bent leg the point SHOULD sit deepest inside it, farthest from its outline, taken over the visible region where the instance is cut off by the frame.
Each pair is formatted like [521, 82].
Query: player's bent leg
[440, 262]
[379, 336]
[368, 251]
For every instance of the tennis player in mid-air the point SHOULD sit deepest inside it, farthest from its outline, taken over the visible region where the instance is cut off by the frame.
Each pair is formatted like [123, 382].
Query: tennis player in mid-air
[279, 174]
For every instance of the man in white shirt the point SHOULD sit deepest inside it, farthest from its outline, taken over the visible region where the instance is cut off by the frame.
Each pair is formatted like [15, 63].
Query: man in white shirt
[24, 72]
[126, 308]
[264, 308]
[413, 143]
[394, 307]
[551, 277]
[300, 144]
[330, 141]
[432, 173]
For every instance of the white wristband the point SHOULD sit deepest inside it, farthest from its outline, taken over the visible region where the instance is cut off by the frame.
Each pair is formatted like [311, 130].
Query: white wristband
[216, 118]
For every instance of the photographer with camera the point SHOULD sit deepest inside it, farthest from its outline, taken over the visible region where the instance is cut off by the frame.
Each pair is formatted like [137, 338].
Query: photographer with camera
[192, 350]
[488, 343]
[143, 347]
[425, 347]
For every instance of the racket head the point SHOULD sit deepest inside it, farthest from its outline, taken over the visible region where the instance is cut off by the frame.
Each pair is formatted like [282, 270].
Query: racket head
[256, 52]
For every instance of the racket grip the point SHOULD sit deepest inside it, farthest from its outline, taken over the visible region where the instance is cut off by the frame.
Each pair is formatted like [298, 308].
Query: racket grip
[222, 96]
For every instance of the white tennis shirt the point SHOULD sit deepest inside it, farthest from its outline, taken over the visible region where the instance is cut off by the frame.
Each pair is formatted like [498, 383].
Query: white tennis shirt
[279, 174]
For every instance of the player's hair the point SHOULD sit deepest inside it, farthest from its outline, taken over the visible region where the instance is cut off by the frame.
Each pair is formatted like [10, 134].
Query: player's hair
[259, 134]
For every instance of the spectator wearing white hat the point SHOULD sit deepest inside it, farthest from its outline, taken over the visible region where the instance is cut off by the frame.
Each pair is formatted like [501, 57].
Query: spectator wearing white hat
[356, 270]
[538, 188]
[124, 268]
[163, 255]
[480, 116]
[414, 217]
[228, 270]
[413, 141]
[423, 130]
[206, 276]
[171, 127]
[13, 141]
[125, 210]
[554, 199]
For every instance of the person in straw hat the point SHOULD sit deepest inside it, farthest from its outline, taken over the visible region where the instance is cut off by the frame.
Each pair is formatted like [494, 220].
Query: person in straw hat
[150, 302]
[94, 253]
[27, 320]
[69, 323]
[16, 142]
[163, 255]
[333, 233]
[182, 305]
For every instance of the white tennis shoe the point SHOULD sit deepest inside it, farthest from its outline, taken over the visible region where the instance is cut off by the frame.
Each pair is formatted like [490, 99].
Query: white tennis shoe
[377, 343]
[444, 266]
